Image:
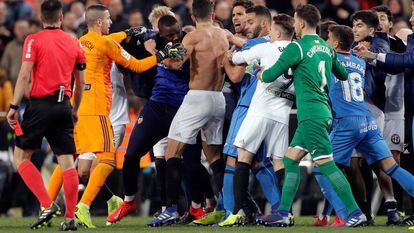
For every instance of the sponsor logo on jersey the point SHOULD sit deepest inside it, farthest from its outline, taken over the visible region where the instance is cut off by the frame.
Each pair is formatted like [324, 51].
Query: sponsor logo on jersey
[395, 138]
[140, 120]
[125, 54]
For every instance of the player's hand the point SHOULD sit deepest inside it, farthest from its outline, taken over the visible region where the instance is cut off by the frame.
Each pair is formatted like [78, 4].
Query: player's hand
[150, 46]
[136, 31]
[75, 117]
[176, 51]
[363, 52]
[12, 118]
[254, 68]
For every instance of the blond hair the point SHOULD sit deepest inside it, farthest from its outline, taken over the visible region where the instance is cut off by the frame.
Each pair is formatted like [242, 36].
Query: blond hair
[158, 12]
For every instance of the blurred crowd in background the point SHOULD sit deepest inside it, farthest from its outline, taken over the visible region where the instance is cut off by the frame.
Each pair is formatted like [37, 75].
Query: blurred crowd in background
[20, 18]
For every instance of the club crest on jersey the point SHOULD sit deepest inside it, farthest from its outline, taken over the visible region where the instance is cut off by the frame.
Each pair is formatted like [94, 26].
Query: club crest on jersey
[140, 120]
[395, 138]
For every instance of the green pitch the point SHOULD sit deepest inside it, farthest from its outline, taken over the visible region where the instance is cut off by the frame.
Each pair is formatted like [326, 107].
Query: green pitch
[136, 224]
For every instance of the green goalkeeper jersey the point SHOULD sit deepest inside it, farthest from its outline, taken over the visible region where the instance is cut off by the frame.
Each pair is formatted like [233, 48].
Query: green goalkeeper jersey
[312, 61]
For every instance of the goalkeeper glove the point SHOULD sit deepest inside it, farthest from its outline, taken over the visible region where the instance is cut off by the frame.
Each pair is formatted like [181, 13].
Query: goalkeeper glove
[176, 51]
[136, 31]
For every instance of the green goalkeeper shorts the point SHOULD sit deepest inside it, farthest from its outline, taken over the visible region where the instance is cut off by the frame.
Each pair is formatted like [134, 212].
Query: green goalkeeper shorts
[313, 136]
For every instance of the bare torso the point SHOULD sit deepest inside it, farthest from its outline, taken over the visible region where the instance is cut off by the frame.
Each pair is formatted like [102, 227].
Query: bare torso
[209, 45]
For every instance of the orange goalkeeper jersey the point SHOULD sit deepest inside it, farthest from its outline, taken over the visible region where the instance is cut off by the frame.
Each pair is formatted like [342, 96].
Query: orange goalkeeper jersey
[100, 51]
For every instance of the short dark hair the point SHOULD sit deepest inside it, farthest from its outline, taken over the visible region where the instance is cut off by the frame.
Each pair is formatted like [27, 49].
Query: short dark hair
[202, 9]
[309, 13]
[261, 11]
[323, 29]
[286, 22]
[243, 3]
[167, 21]
[368, 17]
[384, 9]
[97, 7]
[135, 11]
[51, 10]
[344, 34]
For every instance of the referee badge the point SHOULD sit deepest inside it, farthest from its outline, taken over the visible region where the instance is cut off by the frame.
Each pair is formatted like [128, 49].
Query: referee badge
[140, 120]
[395, 138]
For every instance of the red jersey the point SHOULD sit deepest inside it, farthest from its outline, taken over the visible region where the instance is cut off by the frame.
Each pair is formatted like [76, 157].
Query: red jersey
[54, 53]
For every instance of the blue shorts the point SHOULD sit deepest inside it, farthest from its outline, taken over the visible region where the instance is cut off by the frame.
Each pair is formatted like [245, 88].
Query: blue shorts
[360, 133]
[236, 120]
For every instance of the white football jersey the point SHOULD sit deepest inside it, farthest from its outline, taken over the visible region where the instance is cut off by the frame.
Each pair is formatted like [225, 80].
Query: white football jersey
[119, 113]
[271, 100]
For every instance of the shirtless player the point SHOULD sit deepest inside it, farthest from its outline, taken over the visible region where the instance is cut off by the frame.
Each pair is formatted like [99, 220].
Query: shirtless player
[203, 107]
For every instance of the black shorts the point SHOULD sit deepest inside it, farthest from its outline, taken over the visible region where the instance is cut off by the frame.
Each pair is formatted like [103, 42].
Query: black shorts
[45, 117]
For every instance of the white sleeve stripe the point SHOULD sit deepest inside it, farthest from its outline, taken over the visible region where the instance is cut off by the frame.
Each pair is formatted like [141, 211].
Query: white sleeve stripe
[300, 48]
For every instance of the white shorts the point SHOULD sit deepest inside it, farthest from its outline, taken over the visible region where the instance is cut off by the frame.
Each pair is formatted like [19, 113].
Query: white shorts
[394, 134]
[256, 130]
[119, 133]
[160, 148]
[87, 156]
[200, 110]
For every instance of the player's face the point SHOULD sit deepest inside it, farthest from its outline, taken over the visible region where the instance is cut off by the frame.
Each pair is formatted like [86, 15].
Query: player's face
[106, 23]
[239, 19]
[384, 23]
[361, 30]
[332, 41]
[298, 26]
[171, 34]
[275, 32]
[253, 26]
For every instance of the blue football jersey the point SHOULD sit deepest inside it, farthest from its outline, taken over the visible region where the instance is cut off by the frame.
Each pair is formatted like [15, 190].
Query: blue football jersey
[248, 84]
[347, 97]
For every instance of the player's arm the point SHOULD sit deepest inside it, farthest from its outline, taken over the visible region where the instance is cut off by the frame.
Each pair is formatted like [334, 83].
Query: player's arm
[248, 55]
[78, 92]
[235, 73]
[120, 36]
[290, 57]
[338, 69]
[123, 58]
[22, 84]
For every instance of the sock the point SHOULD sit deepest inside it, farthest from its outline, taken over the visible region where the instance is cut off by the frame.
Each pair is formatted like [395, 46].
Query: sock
[365, 208]
[173, 180]
[331, 196]
[205, 182]
[398, 194]
[241, 183]
[391, 207]
[55, 183]
[96, 180]
[161, 167]
[327, 208]
[339, 184]
[70, 189]
[33, 179]
[228, 188]
[129, 198]
[268, 184]
[280, 174]
[195, 205]
[290, 184]
[403, 177]
[218, 172]
[269, 166]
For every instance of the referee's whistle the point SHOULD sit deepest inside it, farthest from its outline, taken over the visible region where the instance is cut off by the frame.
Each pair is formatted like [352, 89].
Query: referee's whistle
[18, 130]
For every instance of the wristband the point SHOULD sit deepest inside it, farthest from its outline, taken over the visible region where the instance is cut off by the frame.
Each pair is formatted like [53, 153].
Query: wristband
[15, 107]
